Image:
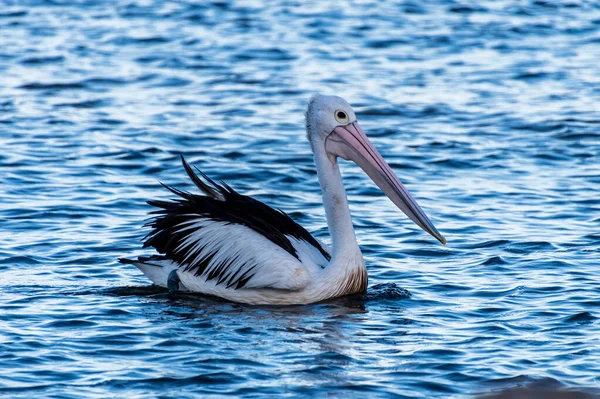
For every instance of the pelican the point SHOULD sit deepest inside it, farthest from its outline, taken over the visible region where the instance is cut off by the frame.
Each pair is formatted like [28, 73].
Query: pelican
[232, 246]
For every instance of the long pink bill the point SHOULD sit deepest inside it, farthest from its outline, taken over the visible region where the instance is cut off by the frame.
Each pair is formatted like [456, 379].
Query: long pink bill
[351, 143]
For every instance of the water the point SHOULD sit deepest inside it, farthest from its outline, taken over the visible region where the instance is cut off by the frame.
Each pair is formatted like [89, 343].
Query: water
[489, 114]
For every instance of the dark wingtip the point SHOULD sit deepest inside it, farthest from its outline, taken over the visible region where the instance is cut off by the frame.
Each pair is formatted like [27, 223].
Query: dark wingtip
[174, 190]
[211, 189]
[127, 261]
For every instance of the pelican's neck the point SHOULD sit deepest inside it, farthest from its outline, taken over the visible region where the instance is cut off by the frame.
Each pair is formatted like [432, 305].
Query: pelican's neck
[345, 248]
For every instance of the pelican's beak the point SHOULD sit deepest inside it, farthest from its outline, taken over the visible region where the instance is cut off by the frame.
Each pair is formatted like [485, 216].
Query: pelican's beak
[351, 143]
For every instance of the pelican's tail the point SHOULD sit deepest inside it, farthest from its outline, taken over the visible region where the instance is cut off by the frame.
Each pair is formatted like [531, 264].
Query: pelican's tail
[156, 268]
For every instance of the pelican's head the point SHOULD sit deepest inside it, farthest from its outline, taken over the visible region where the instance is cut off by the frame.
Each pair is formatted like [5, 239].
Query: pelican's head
[332, 128]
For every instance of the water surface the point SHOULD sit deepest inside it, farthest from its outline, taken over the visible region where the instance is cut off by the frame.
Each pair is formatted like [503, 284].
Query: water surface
[488, 113]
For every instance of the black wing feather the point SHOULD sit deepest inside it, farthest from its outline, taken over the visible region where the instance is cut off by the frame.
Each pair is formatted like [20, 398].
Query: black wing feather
[220, 203]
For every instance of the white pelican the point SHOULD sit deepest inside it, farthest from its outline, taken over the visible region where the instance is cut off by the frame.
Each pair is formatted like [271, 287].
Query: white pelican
[232, 246]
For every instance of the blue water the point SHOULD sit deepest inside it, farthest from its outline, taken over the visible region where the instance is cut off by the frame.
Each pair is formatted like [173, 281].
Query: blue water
[489, 113]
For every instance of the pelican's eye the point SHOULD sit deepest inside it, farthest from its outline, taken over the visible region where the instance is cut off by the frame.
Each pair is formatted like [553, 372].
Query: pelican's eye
[341, 116]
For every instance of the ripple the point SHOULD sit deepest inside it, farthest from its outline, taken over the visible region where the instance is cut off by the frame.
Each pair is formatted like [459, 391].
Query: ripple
[42, 60]
[85, 104]
[52, 86]
[386, 291]
[581, 318]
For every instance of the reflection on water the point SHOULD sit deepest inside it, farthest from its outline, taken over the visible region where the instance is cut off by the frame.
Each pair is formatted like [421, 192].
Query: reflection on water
[540, 390]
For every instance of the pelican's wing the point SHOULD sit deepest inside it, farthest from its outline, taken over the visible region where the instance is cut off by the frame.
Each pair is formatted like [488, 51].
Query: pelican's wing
[232, 239]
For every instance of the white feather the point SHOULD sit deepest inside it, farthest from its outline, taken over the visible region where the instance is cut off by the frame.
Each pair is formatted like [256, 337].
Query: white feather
[158, 270]
[245, 252]
[278, 278]
[308, 254]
